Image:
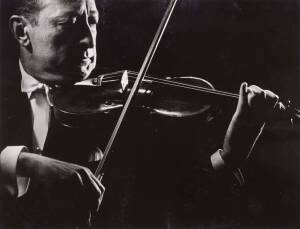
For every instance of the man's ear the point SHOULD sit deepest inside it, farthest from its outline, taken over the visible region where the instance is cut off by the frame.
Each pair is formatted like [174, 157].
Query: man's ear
[18, 26]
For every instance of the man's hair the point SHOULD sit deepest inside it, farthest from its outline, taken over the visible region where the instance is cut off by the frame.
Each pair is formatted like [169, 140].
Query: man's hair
[28, 8]
[31, 8]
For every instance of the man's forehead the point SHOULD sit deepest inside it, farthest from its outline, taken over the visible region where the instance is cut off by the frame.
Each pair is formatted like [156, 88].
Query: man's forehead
[69, 6]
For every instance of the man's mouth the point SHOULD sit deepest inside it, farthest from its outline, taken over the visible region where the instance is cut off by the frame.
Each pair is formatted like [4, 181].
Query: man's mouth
[85, 61]
[82, 61]
[85, 58]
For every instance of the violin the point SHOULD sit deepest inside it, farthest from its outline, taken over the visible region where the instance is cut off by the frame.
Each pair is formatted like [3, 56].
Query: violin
[93, 100]
[104, 96]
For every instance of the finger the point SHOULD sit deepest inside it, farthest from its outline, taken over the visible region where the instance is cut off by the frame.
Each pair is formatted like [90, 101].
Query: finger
[93, 189]
[243, 89]
[84, 220]
[98, 182]
[262, 98]
[100, 176]
[89, 220]
[256, 96]
[102, 190]
[254, 92]
[75, 185]
[255, 89]
[271, 98]
[242, 95]
[79, 211]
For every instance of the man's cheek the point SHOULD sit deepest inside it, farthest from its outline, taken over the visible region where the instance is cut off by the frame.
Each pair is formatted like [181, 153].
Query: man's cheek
[62, 39]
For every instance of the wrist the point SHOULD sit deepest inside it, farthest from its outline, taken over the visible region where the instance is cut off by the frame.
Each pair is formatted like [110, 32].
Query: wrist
[233, 157]
[26, 164]
[13, 181]
[247, 121]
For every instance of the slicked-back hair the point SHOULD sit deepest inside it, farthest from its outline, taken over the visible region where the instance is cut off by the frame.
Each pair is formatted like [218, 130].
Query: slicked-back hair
[28, 8]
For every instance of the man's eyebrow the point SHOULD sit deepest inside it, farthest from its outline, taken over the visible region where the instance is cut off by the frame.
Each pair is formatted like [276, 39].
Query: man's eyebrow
[57, 18]
[70, 14]
[66, 14]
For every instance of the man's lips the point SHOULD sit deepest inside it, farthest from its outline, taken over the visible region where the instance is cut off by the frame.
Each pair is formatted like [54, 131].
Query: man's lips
[85, 61]
[82, 57]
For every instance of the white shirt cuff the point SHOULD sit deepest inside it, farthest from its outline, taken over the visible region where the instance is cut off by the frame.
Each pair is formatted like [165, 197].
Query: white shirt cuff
[15, 185]
[217, 161]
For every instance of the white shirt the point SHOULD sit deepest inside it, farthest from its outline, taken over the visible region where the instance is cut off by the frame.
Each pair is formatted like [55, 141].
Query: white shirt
[38, 95]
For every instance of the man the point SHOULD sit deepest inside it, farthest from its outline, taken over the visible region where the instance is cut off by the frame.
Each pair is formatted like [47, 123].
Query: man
[57, 40]
[57, 46]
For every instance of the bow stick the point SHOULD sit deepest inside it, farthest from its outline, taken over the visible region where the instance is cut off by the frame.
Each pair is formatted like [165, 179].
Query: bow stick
[138, 81]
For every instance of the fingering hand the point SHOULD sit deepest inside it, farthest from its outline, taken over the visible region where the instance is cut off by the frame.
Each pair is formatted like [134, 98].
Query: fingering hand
[254, 108]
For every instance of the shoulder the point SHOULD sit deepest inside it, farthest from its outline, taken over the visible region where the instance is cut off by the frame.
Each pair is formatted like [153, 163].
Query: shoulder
[14, 110]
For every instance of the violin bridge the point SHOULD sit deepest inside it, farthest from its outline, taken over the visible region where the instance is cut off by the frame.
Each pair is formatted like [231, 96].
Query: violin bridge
[124, 80]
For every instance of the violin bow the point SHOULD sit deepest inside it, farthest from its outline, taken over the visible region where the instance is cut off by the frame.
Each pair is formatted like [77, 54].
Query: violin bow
[138, 81]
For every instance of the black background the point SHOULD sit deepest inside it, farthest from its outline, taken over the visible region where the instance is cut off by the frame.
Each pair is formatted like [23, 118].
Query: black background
[226, 42]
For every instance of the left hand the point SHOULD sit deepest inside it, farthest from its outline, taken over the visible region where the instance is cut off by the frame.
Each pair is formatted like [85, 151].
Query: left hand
[255, 107]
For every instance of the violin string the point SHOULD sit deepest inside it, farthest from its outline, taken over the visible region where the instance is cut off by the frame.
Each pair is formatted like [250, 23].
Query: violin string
[201, 89]
[117, 74]
[176, 84]
[192, 87]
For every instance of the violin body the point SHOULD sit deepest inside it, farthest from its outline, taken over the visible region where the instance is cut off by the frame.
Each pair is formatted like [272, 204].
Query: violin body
[101, 99]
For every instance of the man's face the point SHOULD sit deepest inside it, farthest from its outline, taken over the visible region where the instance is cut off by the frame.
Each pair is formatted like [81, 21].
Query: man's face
[64, 40]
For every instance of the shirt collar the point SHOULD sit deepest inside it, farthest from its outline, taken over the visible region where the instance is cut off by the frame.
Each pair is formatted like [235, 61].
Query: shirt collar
[28, 83]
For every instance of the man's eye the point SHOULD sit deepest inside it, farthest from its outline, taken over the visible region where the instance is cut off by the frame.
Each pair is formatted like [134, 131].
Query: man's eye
[68, 22]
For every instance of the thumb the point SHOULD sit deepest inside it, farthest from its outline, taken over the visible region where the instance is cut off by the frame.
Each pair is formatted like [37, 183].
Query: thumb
[242, 96]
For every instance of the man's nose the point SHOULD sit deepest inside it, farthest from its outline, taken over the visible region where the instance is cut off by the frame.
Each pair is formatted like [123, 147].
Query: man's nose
[88, 36]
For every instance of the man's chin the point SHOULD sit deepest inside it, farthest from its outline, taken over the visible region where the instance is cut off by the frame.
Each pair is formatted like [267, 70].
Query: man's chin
[84, 71]
[68, 78]
[68, 75]
[77, 75]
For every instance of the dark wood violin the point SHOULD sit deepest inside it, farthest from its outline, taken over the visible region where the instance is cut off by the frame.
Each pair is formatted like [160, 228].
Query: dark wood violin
[104, 96]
